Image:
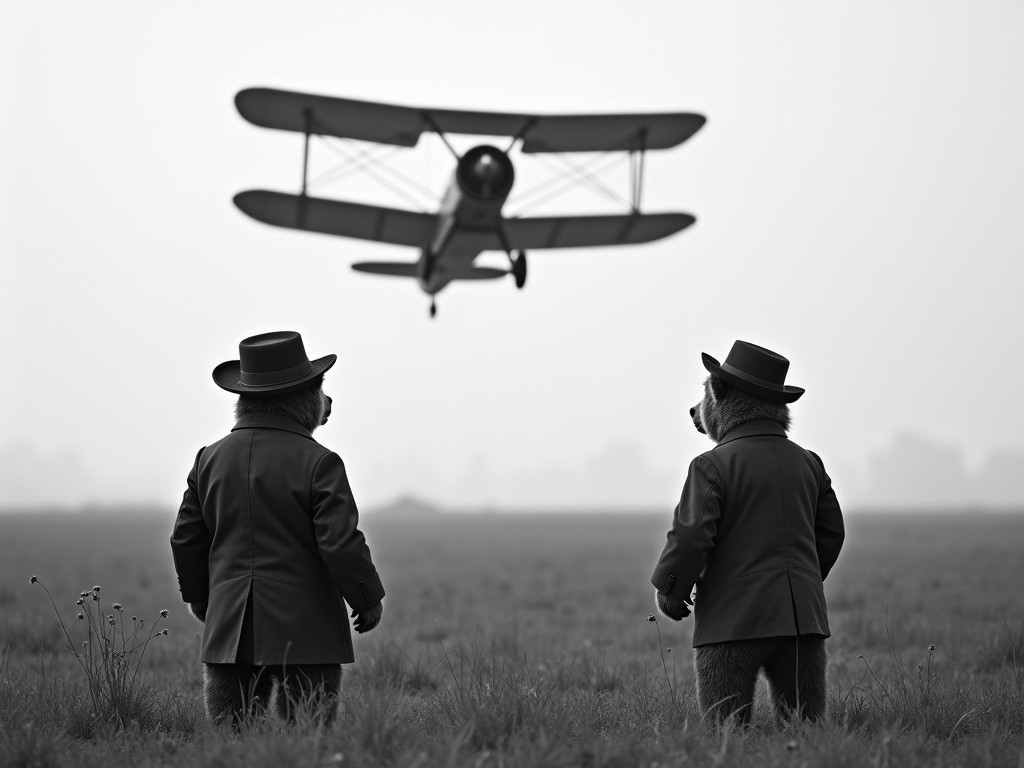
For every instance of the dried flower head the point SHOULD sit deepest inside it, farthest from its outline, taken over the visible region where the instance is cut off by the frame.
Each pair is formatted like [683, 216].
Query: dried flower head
[110, 619]
[163, 614]
[79, 601]
[164, 632]
[96, 588]
[651, 618]
[33, 580]
[81, 616]
[84, 594]
[117, 607]
[931, 648]
[133, 618]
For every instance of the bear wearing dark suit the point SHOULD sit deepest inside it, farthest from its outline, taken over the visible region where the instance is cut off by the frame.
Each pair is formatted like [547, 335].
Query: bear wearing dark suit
[267, 546]
[755, 533]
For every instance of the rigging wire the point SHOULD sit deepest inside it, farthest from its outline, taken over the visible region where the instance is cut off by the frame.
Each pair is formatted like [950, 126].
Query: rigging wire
[567, 183]
[561, 174]
[368, 166]
[593, 179]
[352, 164]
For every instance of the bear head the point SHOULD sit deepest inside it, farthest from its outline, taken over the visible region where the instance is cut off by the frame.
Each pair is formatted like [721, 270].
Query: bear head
[725, 406]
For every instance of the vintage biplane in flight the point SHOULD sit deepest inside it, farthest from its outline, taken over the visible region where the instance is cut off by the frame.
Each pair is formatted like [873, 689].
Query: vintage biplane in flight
[469, 219]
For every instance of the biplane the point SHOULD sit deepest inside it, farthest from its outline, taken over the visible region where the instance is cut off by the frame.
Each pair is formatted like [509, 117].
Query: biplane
[469, 219]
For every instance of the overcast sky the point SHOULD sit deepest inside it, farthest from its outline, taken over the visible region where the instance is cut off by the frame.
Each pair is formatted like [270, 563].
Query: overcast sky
[857, 188]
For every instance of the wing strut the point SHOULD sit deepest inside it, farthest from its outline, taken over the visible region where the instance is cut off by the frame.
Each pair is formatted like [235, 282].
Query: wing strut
[636, 168]
[307, 116]
[429, 120]
[521, 133]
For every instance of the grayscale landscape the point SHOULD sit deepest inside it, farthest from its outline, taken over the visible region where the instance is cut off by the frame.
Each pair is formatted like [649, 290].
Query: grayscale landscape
[524, 640]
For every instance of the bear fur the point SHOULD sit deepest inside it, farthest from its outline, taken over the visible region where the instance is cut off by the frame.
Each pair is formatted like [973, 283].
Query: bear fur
[724, 407]
[727, 672]
[794, 667]
[237, 694]
[309, 406]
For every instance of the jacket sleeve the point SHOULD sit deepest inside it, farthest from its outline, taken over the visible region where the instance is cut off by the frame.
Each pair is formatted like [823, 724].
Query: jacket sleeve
[829, 531]
[694, 526]
[340, 542]
[190, 543]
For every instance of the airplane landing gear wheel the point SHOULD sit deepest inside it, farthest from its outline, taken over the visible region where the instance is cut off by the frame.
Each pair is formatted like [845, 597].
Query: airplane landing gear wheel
[519, 269]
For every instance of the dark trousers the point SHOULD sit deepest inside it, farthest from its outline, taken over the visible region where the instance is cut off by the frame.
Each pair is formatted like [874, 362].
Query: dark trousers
[236, 693]
[794, 666]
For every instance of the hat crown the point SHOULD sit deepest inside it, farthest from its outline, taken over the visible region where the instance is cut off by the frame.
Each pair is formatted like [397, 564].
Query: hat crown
[270, 363]
[757, 362]
[756, 370]
[272, 358]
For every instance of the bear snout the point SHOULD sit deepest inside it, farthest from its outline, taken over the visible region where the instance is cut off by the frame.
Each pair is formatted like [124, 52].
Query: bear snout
[695, 415]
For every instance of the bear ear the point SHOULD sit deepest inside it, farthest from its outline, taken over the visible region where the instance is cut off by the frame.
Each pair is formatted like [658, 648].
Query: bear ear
[717, 388]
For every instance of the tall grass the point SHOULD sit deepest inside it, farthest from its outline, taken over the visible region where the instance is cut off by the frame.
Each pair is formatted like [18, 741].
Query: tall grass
[581, 679]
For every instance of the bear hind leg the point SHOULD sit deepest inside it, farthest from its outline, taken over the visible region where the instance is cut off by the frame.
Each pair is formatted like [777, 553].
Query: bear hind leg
[312, 688]
[234, 693]
[727, 676]
[796, 677]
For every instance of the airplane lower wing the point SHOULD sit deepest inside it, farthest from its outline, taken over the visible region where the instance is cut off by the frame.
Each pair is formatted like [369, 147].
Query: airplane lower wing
[334, 217]
[584, 231]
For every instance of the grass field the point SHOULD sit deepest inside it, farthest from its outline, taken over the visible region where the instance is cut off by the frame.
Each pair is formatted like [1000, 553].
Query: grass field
[523, 640]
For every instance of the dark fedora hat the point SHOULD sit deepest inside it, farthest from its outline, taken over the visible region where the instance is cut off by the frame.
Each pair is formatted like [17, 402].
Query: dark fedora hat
[271, 363]
[756, 370]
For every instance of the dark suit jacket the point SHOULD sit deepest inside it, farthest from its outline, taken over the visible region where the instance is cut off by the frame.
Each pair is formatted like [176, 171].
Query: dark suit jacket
[268, 519]
[757, 529]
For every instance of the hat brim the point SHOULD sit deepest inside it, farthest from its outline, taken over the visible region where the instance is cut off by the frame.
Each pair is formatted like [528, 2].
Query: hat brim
[228, 374]
[785, 394]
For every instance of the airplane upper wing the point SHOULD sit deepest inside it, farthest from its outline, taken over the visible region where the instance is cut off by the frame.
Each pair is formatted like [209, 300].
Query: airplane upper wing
[402, 126]
[334, 217]
[580, 231]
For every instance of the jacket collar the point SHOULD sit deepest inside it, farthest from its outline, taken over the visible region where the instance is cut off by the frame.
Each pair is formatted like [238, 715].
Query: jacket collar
[270, 421]
[752, 428]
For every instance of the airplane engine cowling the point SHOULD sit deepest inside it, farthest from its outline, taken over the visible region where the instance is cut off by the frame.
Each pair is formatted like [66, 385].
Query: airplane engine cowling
[485, 173]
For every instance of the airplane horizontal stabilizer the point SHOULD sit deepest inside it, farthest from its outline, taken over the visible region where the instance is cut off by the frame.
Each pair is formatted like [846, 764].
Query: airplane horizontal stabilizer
[412, 269]
[390, 268]
[470, 273]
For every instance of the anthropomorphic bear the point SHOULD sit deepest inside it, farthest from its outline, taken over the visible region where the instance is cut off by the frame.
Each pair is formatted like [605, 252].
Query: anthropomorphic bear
[267, 546]
[754, 535]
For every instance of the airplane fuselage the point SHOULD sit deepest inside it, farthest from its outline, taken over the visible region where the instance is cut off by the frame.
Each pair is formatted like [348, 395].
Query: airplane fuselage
[470, 211]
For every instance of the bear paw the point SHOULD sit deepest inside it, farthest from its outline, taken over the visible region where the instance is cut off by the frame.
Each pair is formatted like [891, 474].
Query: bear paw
[675, 609]
[198, 610]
